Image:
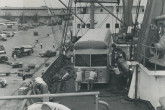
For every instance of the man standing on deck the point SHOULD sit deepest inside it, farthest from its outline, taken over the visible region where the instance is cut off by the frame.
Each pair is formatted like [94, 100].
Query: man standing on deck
[91, 80]
[78, 80]
[118, 76]
[63, 79]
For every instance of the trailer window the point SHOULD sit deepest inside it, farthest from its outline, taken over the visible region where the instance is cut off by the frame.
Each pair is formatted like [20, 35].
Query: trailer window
[99, 60]
[82, 60]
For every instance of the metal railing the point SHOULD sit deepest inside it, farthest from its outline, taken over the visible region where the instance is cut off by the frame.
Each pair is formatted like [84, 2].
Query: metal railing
[47, 96]
[144, 56]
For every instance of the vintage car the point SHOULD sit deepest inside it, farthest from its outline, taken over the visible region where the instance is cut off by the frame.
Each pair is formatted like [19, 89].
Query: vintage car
[47, 53]
[3, 58]
[8, 34]
[3, 37]
[17, 65]
[3, 82]
[25, 71]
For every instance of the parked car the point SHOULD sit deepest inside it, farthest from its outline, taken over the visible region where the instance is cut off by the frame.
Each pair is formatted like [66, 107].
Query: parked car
[17, 65]
[2, 49]
[3, 82]
[3, 58]
[31, 66]
[3, 37]
[47, 53]
[23, 70]
[8, 34]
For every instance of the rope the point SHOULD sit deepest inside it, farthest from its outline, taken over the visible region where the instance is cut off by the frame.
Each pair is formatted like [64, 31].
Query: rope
[105, 19]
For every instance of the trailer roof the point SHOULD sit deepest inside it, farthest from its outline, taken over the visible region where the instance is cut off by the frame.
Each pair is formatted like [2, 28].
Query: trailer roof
[94, 38]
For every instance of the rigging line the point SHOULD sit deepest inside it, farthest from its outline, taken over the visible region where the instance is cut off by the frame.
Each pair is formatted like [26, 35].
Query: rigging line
[65, 25]
[45, 3]
[80, 29]
[50, 3]
[163, 1]
[53, 27]
[75, 17]
[58, 18]
[116, 19]
[105, 19]
[66, 22]
[137, 14]
[53, 31]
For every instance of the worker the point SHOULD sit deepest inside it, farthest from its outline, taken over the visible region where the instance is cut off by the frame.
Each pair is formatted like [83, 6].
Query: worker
[91, 80]
[63, 79]
[3, 82]
[41, 45]
[45, 107]
[53, 46]
[78, 80]
[39, 86]
[23, 77]
[14, 56]
[37, 41]
[118, 76]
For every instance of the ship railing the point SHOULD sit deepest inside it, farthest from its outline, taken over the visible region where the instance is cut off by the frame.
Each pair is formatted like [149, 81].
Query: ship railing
[144, 56]
[46, 98]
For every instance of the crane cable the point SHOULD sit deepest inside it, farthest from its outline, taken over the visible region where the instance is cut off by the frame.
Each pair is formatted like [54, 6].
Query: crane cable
[66, 25]
[105, 19]
[53, 31]
[85, 23]
[137, 15]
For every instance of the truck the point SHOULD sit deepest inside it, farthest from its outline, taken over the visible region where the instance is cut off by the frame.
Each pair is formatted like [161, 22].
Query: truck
[23, 50]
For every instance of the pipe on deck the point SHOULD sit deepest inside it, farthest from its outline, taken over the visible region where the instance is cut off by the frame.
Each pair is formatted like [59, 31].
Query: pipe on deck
[159, 18]
[48, 95]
